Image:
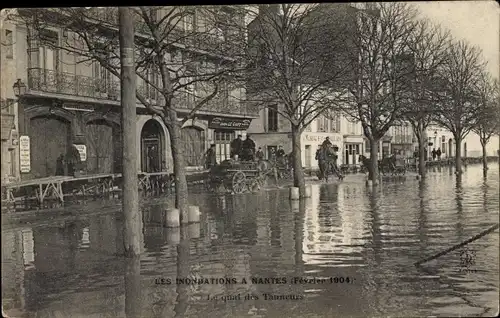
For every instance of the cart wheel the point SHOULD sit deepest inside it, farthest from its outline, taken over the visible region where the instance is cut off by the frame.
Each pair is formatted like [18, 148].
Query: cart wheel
[239, 182]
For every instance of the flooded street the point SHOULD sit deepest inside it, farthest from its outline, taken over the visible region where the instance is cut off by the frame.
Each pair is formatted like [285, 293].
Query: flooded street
[347, 251]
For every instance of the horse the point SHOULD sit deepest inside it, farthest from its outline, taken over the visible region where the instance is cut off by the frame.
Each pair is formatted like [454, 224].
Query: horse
[328, 166]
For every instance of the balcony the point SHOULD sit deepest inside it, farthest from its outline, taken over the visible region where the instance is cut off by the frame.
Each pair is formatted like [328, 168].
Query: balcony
[49, 81]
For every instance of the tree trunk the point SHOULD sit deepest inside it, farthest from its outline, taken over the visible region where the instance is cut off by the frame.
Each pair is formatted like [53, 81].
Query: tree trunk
[373, 173]
[132, 234]
[181, 189]
[298, 174]
[483, 146]
[421, 156]
[458, 155]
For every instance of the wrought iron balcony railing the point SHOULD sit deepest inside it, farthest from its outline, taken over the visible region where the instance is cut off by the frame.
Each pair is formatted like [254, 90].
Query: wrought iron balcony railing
[51, 81]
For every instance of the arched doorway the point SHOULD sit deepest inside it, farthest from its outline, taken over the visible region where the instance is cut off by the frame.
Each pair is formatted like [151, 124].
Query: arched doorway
[152, 147]
[49, 138]
[193, 140]
[103, 142]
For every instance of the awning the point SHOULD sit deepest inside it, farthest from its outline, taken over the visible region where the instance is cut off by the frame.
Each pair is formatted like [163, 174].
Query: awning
[7, 125]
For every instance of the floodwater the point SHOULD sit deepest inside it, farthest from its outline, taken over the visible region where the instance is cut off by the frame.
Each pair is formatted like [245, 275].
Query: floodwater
[359, 244]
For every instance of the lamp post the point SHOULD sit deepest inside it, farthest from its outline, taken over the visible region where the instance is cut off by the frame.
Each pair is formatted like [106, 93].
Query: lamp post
[19, 88]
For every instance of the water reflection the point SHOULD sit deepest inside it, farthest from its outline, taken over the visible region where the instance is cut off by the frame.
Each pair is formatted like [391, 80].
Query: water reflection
[371, 234]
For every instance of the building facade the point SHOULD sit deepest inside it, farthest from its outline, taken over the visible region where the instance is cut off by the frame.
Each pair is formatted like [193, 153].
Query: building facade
[9, 118]
[271, 130]
[72, 101]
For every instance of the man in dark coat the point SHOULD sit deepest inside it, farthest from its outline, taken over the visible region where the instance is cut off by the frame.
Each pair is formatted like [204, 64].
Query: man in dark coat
[211, 157]
[248, 149]
[326, 142]
[259, 154]
[236, 146]
[320, 156]
[153, 159]
[434, 153]
[73, 160]
[60, 165]
[438, 153]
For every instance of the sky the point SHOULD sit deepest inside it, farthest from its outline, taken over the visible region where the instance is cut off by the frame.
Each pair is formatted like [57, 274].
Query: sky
[478, 22]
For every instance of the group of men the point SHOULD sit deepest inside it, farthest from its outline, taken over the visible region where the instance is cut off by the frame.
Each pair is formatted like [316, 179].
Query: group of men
[245, 151]
[242, 149]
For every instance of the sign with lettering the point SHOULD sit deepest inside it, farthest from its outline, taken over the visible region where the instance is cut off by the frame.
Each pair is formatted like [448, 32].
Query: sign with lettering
[320, 138]
[24, 154]
[229, 123]
[82, 149]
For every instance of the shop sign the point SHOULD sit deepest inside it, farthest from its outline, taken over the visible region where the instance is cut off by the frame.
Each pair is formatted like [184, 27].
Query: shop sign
[322, 137]
[229, 123]
[82, 149]
[24, 154]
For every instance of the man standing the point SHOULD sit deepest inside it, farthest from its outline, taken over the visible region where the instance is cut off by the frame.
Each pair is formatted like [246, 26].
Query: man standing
[153, 159]
[326, 143]
[211, 158]
[248, 147]
[438, 154]
[259, 154]
[73, 160]
[434, 153]
[320, 156]
[236, 146]
[280, 156]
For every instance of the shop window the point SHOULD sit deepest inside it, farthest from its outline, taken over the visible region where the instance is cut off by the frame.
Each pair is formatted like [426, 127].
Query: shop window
[272, 118]
[222, 142]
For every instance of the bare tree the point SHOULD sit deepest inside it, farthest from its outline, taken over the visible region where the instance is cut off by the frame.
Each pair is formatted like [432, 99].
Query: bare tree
[383, 64]
[297, 57]
[181, 66]
[488, 119]
[457, 99]
[428, 45]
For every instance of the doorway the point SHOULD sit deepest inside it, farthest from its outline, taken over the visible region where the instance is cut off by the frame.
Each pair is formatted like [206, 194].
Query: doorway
[152, 151]
[308, 155]
[46, 145]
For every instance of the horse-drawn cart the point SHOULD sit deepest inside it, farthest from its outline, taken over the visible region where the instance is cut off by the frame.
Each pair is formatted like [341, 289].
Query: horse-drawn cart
[237, 176]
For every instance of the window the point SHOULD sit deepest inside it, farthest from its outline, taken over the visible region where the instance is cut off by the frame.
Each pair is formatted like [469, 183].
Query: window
[272, 118]
[8, 107]
[9, 44]
[222, 142]
[101, 76]
[188, 22]
[334, 124]
[48, 52]
[193, 140]
[152, 76]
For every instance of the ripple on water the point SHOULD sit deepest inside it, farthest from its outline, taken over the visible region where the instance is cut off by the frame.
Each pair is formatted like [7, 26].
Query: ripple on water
[343, 230]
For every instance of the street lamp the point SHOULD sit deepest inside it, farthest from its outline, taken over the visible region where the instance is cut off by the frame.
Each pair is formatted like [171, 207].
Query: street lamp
[19, 88]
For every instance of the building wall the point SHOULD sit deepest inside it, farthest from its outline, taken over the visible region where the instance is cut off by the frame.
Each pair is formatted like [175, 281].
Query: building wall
[9, 63]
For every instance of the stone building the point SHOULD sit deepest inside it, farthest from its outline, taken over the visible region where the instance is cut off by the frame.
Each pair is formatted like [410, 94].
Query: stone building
[72, 101]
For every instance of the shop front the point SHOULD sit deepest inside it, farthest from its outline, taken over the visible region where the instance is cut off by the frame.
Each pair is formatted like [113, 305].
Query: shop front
[353, 148]
[310, 141]
[223, 131]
